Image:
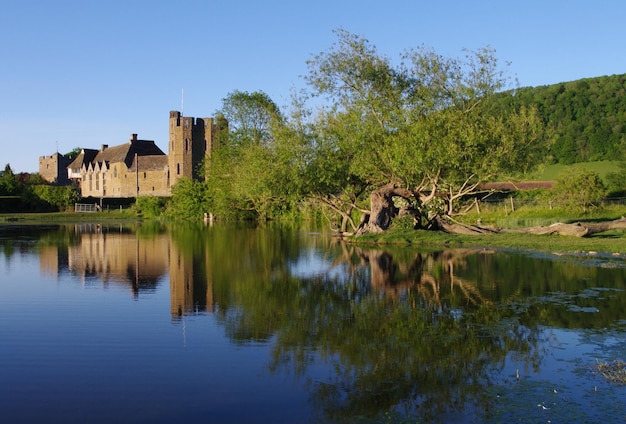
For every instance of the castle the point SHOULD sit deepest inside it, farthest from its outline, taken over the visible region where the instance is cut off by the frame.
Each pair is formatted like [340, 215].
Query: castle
[138, 167]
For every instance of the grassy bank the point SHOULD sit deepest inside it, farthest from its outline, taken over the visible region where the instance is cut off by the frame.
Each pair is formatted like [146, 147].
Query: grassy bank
[552, 172]
[531, 215]
[66, 216]
[611, 243]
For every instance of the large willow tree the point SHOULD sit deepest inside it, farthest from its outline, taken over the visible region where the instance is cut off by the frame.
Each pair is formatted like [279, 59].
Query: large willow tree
[416, 130]
[419, 130]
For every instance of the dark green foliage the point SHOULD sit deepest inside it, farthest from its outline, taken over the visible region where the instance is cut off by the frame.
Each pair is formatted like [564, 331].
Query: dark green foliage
[62, 198]
[30, 192]
[189, 200]
[9, 183]
[586, 119]
[616, 181]
[403, 223]
[150, 206]
[73, 153]
[579, 188]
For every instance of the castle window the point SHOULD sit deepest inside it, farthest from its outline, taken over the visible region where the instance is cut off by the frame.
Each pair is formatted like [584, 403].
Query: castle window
[178, 168]
[144, 175]
[186, 144]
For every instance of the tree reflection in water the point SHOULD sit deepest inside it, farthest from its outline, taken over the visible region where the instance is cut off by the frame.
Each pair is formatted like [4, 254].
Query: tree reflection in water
[433, 336]
[403, 333]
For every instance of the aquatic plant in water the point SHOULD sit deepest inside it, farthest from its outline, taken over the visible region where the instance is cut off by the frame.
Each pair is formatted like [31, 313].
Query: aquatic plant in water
[614, 371]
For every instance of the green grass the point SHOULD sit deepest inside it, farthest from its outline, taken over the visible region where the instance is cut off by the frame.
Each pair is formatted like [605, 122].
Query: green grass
[610, 242]
[66, 216]
[552, 172]
[529, 215]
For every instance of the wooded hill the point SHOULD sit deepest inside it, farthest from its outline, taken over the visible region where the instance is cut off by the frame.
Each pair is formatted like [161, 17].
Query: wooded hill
[585, 119]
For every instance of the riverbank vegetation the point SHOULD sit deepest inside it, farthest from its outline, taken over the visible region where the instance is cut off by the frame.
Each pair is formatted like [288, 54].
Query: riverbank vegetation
[372, 139]
[31, 193]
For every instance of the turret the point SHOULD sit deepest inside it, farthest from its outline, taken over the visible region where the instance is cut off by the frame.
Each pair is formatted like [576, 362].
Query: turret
[190, 142]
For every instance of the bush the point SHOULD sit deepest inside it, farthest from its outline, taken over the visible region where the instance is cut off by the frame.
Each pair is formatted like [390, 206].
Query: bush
[579, 188]
[403, 223]
[61, 197]
[189, 200]
[150, 206]
[616, 181]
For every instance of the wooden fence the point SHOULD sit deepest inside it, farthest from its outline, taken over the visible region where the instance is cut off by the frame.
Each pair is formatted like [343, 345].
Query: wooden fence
[86, 207]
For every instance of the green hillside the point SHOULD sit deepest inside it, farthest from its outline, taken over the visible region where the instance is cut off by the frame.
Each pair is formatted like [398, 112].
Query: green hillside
[585, 120]
[552, 172]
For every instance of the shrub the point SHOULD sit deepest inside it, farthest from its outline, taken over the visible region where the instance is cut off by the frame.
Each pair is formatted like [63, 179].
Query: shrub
[150, 206]
[579, 188]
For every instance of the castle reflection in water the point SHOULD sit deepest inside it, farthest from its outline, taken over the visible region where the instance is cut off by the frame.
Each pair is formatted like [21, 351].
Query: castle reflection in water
[116, 256]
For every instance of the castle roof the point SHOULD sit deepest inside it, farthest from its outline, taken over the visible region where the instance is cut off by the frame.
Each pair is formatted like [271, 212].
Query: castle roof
[126, 152]
[155, 157]
[149, 163]
[85, 156]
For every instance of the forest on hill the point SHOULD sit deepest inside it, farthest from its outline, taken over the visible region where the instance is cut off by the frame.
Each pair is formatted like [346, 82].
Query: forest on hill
[585, 119]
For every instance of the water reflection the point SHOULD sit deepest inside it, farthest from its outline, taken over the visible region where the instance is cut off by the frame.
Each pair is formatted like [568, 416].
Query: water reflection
[119, 255]
[425, 334]
[113, 255]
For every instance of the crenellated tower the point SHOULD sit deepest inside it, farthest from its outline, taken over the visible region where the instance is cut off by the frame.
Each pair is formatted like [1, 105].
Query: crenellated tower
[191, 140]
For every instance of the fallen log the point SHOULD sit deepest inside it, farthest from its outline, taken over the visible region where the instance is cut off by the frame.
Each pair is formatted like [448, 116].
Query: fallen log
[561, 229]
[576, 229]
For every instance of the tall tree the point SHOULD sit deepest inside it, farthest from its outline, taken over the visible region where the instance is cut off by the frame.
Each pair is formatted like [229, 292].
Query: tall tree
[9, 184]
[417, 130]
[249, 174]
[250, 116]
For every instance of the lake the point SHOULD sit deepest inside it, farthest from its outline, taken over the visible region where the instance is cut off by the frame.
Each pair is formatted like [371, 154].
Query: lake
[147, 323]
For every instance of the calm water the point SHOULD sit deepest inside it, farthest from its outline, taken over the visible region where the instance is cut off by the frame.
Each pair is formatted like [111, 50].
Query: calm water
[108, 323]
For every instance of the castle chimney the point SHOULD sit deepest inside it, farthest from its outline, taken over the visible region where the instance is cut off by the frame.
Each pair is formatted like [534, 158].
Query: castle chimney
[133, 137]
[104, 146]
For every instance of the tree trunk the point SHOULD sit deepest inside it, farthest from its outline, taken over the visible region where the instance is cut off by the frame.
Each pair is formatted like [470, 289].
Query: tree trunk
[383, 209]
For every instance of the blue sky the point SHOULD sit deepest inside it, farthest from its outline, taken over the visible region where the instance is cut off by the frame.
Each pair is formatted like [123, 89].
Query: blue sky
[81, 73]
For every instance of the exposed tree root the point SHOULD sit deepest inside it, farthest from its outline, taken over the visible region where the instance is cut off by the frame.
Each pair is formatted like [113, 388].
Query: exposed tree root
[452, 227]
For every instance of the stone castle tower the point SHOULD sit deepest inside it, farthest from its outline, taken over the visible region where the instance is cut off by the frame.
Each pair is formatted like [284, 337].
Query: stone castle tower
[191, 140]
[53, 168]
